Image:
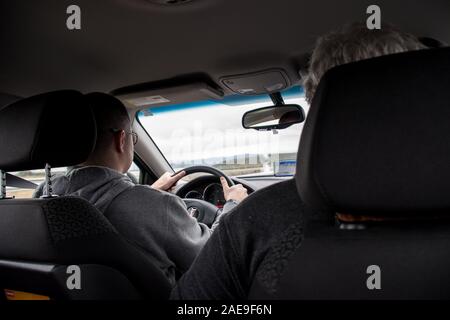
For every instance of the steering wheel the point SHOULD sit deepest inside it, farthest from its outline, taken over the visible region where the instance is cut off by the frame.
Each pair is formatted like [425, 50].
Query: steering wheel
[211, 170]
[203, 211]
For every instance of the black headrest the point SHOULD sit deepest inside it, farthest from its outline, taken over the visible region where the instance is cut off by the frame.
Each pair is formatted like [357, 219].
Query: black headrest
[56, 128]
[377, 137]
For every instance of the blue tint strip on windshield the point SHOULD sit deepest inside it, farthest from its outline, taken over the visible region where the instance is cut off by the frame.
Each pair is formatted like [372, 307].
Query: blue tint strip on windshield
[183, 106]
[230, 101]
[294, 92]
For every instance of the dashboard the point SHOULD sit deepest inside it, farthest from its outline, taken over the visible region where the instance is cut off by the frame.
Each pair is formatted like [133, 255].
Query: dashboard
[208, 187]
[212, 193]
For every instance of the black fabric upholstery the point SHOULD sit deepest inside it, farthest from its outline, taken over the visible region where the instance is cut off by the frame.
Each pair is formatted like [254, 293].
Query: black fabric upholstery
[56, 128]
[377, 137]
[69, 218]
[317, 258]
[331, 263]
[70, 231]
[24, 233]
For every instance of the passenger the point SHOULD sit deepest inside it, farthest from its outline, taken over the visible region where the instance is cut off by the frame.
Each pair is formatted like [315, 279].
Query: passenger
[249, 243]
[155, 220]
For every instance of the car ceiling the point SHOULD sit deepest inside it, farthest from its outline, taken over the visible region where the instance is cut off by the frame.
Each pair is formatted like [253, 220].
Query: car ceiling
[126, 42]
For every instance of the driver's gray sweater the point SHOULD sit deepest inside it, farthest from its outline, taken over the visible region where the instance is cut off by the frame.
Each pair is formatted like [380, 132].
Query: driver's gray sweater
[154, 220]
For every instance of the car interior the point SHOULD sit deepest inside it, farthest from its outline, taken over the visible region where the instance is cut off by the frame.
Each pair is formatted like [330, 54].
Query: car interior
[214, 88]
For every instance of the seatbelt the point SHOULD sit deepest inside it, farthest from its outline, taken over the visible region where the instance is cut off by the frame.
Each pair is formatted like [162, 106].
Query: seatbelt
[18, 182]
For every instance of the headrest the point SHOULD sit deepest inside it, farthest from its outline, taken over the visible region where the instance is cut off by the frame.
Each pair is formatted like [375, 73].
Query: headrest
[57, 128]
[377, 137]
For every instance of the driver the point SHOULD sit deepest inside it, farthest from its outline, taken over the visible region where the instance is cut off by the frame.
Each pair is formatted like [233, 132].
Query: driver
[153, 219]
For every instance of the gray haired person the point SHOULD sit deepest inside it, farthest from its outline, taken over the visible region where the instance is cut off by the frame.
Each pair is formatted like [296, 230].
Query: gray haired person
[249, 242]
[353, 43]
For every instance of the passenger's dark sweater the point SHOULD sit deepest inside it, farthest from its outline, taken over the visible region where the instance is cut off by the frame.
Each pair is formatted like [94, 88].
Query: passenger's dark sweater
[253, 240]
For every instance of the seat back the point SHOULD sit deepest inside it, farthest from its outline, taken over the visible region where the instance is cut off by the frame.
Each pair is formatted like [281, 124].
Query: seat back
[62, 247]
[375, 148]
[378, 262]
[42, 239]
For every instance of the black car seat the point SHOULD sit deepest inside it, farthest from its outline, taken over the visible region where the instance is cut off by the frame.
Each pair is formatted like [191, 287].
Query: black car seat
[374, 167]
[62, 247]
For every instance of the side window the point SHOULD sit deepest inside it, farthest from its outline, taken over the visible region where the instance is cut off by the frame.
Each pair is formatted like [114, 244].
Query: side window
[135, 171]
[36, 176]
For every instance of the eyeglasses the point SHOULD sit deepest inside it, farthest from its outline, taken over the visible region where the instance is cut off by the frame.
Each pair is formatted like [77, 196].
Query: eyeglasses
[132, 133]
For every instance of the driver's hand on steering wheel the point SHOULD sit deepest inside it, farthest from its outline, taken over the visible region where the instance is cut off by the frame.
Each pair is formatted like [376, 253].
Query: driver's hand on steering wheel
[236, 192]
[167, 181]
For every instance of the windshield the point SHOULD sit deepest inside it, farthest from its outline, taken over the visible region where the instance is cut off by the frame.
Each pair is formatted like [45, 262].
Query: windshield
[211, 133]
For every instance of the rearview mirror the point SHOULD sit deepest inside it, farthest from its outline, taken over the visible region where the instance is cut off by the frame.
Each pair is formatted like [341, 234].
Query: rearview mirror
[273, 118]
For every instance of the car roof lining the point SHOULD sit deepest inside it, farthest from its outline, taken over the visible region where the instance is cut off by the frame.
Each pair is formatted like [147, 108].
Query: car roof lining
[123, 43]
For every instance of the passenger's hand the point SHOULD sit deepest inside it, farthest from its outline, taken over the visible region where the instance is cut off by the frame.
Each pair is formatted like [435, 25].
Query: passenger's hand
[236, 192]
[166, 181]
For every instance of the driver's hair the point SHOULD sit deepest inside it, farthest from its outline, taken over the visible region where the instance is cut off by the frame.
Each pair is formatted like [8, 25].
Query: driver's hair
[352, 43]
[110, 113]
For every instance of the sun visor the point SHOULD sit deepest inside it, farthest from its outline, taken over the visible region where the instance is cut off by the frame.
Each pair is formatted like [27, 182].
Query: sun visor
[143, 96]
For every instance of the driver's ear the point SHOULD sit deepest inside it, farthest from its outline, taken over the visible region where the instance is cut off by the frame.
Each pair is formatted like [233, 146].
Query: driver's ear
[120, 141]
